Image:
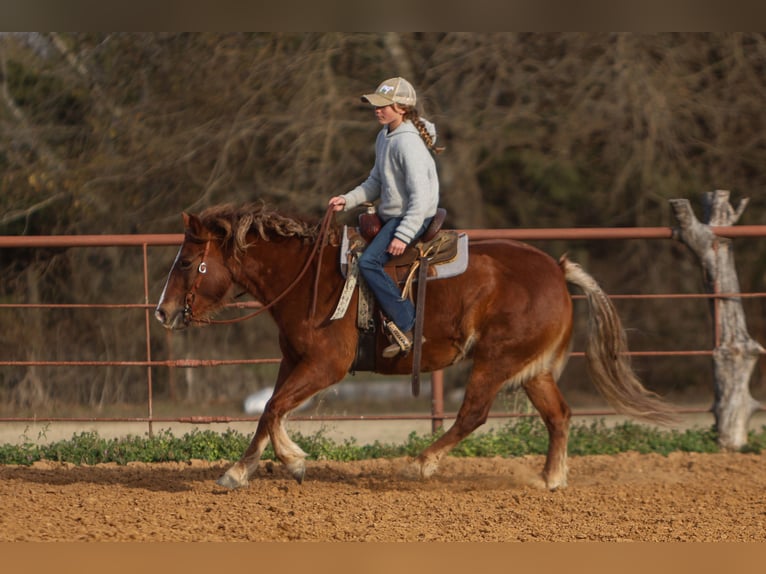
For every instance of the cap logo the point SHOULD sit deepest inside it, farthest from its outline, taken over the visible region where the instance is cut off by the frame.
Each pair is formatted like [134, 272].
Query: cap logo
[386, 89]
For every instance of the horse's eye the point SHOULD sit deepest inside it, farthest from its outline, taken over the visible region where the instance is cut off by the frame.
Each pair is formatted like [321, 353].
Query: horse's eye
[185, 264]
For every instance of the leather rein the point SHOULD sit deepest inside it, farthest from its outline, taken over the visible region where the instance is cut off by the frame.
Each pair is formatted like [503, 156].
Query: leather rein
[316, 253]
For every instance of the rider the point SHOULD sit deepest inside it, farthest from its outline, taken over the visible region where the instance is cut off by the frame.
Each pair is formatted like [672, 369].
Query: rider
[405, 180]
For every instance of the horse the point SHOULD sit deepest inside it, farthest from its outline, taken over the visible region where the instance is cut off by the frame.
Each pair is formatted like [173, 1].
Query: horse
[509, 312]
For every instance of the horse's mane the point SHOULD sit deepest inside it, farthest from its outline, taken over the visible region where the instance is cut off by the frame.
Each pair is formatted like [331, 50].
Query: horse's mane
[231, 223]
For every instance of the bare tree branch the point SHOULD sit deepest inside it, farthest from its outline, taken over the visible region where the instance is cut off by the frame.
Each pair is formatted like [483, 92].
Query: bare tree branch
[17, 214]
[23, 128]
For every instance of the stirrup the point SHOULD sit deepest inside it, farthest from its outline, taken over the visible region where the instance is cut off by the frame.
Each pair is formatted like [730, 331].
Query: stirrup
[401, 342]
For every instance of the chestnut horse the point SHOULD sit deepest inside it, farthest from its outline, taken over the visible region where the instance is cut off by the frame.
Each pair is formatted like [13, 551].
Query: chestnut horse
[510, 313]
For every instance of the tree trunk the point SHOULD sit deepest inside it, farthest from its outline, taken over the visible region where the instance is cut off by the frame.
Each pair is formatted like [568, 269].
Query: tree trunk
[31, 391]
[735, 353]
[460, 190]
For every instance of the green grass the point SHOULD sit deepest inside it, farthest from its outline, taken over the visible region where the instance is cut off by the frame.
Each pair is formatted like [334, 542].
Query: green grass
[517, 438]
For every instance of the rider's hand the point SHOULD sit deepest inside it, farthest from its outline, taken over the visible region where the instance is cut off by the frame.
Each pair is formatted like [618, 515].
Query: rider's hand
[337, 203]
[396, 247]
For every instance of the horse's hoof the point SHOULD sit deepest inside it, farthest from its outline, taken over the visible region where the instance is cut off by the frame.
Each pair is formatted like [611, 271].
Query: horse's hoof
[299, 474]
[228, 482]
[297, 469]
[556, 484]
[428, 468]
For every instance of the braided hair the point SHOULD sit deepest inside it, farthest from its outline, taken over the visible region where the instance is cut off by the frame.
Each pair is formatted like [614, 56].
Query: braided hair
[410, 113]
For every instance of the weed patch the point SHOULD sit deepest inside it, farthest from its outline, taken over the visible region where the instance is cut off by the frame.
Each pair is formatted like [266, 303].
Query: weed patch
[517, 438]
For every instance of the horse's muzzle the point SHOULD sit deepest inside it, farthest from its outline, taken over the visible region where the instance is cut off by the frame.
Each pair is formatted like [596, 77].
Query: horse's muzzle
[173, 321]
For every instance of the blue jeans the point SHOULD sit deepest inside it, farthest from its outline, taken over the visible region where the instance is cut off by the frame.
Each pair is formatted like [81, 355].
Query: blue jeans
[386, 291]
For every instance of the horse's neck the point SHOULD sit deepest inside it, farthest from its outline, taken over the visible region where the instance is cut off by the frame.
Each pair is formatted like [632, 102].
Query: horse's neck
[271, 268]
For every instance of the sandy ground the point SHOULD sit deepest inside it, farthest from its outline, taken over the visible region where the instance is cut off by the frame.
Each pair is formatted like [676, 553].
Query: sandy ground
[627, 497]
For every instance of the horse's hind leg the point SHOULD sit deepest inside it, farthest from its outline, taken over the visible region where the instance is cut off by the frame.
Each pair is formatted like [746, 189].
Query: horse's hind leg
[547, 399]
[479, 395]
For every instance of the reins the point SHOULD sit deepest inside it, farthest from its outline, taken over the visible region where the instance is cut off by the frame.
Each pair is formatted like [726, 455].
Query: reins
[316, 252]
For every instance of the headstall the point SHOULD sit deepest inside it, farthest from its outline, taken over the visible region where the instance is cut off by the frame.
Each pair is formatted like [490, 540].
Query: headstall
[191, 294]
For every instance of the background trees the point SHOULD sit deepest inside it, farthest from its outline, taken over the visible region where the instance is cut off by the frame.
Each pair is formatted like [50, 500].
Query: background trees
[119, 133]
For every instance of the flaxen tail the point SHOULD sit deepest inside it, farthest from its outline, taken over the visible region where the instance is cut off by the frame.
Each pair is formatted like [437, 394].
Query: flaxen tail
[606, 353]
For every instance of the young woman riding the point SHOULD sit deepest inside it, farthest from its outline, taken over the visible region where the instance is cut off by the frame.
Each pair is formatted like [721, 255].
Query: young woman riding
[405, 180]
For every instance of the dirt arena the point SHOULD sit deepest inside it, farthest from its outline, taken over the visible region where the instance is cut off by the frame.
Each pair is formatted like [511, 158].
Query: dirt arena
[627, 497]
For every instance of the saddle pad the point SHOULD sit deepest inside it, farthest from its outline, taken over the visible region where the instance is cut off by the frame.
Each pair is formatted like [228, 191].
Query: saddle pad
[455, 265]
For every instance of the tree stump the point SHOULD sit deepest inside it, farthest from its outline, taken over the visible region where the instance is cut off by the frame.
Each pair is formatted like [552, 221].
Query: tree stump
[735, 353]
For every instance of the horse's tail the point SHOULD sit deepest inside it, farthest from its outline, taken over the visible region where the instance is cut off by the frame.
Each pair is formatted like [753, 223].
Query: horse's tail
[606, 353]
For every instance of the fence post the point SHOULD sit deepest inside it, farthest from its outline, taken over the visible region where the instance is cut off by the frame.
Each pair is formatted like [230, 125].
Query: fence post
[147, 320]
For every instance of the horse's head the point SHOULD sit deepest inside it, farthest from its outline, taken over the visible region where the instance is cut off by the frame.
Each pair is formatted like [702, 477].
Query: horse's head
[199, 282]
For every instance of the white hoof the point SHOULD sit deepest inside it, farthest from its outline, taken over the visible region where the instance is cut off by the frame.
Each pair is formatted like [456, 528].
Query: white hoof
[557, 483]
[427, 467]
[297, 469]
[233, 479]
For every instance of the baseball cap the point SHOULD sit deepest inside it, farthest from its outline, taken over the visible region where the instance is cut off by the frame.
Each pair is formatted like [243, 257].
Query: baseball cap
[392, 91]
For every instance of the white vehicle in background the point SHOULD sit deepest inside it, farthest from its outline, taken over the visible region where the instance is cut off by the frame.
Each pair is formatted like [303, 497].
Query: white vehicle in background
[373, 391]
[255, 403]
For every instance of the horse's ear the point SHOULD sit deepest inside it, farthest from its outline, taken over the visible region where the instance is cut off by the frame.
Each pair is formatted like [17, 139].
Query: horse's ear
[193, 225]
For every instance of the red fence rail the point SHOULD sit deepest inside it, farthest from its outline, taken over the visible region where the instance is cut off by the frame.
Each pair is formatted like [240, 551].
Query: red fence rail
[437, 414]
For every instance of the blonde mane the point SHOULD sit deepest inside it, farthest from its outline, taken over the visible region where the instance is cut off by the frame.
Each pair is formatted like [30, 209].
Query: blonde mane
[232, 223]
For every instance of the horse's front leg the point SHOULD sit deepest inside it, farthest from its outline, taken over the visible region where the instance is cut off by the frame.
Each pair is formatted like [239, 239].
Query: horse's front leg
[289, 453]
[308, 378]
[238, 475]
[305, 380]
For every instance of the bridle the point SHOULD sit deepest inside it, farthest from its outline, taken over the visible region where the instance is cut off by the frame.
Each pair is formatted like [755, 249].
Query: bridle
[316, 253]
[192, 292]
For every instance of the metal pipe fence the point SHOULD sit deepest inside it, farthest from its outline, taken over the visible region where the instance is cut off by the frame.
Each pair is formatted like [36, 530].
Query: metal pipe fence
[437, 414]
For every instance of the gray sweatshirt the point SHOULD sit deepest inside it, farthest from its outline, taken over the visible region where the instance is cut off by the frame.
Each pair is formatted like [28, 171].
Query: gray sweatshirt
[404, 177]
